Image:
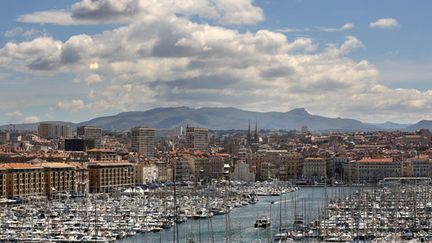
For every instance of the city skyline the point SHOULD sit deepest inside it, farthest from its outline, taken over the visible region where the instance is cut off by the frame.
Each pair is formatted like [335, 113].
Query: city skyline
[76, 60]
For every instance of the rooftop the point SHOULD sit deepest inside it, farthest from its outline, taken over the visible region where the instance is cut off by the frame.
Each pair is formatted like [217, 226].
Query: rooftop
[376, 160]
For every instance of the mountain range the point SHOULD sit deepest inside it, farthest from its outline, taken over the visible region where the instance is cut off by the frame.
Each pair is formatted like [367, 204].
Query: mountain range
[228, 118]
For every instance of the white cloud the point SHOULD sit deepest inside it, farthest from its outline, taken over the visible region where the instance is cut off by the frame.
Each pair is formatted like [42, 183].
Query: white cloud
[26, 33]
[345, 27]
[71, 105]
[385, 23]
[31, 119]
[167, 60]
[59, 17]
[16, 113]
[93, 79]
[228, 12]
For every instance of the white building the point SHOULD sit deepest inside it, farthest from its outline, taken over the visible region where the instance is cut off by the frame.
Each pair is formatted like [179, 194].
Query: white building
[242, 173]
[150, 173]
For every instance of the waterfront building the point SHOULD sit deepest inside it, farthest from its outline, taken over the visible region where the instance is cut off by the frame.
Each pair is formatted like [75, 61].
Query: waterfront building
[267, 170]
[163, 173]
[210, 168]
[197, 138]
[50, 131]
[59, 178]
[145, 173]
[110, 176]
[3, 183]
[181, 170]
[91, 133]
[143, 141]
[314, 168]
[372, 170]
[420, 166]
[24, 180]
[242, 172]
[82, 177]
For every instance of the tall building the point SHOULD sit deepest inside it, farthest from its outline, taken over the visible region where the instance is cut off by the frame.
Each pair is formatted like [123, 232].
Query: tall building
[143, 141]
[91, 133]
[197, 138]
[50, 131]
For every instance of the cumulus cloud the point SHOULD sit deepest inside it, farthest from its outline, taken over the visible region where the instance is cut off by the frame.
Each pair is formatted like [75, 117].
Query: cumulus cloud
[16, 113]
[166, 59]
[228, 12]
[385, 23]
[21, 32]
[71, 105]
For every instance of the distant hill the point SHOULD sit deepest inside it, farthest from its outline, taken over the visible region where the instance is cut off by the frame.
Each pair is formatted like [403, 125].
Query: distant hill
[228, 118]
[423, 124]
[392, 126]
[224, 119]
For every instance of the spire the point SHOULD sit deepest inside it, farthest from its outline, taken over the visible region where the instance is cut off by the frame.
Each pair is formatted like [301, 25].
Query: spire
[249, 133]
[256, 131]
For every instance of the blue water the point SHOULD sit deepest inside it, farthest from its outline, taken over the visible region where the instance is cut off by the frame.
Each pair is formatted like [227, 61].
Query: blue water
[308, 201]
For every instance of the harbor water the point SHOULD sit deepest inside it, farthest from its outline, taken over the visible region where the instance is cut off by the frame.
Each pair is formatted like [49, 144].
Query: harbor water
[308, 202]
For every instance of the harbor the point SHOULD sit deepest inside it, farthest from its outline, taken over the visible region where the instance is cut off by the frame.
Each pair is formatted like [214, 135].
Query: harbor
[134, 213]
[221, 212]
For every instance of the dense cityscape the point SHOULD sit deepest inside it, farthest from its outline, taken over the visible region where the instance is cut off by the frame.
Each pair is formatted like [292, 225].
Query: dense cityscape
[233, 168]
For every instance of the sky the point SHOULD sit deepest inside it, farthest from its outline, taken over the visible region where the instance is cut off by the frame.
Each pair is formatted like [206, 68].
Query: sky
[76, 60]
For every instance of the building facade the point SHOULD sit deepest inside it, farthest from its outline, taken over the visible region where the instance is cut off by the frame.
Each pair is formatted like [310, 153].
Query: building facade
[210, 168]
[143, 141]
[372, 170]
[24, 180]
[314, 168]
[60, 178]
[2, 183]
[197, 138]
[50, 131]
[91, 133]
[242, 173]
[98, 154]
[110, 176]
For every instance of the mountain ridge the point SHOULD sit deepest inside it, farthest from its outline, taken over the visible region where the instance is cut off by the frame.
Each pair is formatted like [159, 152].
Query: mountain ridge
[226, 118]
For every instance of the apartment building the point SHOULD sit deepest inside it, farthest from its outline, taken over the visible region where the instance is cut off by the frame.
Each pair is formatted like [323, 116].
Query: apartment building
[110, 176]
[197, 138]
[143, 141]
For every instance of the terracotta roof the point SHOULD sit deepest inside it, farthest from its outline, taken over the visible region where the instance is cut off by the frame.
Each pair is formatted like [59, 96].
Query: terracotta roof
[19, 166]
[108, 163]
[56, 165]
[96, 150]
[376, 160]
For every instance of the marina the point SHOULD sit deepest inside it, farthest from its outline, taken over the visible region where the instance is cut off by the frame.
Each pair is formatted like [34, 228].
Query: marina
[132, 213]
[259, 212]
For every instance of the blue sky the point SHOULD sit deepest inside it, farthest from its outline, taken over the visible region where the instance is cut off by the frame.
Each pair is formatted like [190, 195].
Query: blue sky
[326, 56]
